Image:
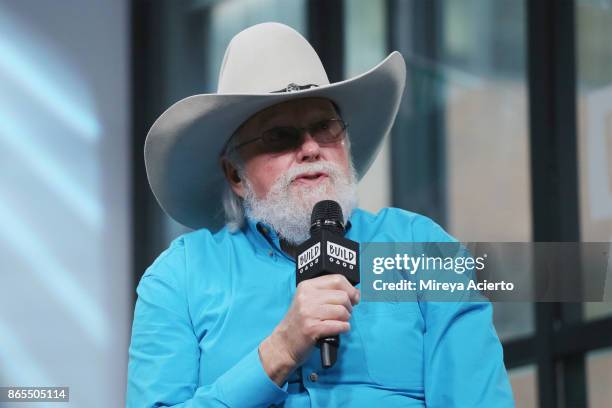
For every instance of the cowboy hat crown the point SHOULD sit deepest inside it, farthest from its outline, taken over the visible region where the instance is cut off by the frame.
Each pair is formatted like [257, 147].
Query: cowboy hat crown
[279, 55]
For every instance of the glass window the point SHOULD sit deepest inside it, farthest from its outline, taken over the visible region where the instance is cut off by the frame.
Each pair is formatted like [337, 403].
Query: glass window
[594, 106]
[229, 17]
[486, 129]
[599, 378]
[524, 386]
[365, 46]
[483, 66]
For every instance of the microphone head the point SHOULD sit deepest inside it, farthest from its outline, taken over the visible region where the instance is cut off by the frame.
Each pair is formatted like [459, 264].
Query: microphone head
[327, 214]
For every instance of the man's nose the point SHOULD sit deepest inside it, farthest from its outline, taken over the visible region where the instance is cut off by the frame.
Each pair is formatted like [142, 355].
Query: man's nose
[309, 149]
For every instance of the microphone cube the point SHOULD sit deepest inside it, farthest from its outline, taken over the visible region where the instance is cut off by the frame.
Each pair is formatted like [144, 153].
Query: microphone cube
[327, 253]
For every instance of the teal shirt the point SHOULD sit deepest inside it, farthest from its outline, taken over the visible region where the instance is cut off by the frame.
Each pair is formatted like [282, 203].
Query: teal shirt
[208, 301]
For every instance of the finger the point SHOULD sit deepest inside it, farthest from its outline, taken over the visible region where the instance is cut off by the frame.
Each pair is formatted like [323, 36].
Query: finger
[329, 328]
[339, 282]
[332, 312]
[333, 281]
[334, 297]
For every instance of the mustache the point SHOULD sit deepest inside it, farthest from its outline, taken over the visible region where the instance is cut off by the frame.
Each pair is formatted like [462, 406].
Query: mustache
[333, 170]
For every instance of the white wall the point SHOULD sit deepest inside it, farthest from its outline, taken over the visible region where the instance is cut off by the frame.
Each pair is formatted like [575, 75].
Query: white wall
[65, 304]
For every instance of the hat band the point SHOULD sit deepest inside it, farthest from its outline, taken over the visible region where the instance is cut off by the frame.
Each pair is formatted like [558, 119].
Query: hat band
[292, 87]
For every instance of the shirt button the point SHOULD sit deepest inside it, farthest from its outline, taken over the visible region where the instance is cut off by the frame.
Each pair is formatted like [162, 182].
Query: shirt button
[313, 377]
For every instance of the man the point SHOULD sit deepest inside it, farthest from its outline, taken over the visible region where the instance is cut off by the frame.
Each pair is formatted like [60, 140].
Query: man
[219, 320]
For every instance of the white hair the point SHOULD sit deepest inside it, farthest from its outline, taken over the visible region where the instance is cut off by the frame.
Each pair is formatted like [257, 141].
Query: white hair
[233, 208]
[233, 205]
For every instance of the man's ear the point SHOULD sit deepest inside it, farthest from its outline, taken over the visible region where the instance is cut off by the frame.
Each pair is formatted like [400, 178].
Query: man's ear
[233, 177]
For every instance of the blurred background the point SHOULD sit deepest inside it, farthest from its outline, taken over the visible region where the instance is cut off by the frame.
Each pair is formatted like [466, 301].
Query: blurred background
[504, 134]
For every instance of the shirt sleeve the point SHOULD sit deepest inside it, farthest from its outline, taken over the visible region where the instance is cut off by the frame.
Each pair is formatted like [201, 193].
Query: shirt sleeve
[164, 355]
[464, 364]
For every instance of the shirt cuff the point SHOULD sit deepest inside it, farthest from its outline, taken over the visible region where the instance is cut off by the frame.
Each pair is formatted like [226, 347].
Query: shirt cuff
[247, 384]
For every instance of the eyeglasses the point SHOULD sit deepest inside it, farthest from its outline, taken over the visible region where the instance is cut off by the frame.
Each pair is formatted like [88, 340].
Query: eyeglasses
[287, 138]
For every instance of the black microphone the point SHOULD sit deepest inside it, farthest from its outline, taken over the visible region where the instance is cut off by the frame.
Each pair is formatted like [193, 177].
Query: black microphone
[327, 252]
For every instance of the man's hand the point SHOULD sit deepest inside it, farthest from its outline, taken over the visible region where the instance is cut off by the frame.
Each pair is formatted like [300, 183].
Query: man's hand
[321, 308]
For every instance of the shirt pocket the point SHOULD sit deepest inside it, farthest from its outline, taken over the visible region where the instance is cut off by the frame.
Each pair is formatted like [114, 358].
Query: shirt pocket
[392, 335]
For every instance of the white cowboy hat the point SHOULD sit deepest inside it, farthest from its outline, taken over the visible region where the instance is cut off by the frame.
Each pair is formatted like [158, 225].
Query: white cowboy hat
[263, 65]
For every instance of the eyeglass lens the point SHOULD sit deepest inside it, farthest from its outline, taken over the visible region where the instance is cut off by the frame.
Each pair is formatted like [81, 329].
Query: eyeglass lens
[290, 137]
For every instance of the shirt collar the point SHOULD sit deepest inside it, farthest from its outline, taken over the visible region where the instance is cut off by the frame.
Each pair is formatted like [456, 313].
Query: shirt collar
[265, 237]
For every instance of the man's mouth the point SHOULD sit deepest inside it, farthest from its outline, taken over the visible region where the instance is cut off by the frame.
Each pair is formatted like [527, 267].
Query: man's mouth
[310, 178]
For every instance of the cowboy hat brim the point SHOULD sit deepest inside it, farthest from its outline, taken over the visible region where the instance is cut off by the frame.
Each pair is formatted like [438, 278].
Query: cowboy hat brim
[183, 146]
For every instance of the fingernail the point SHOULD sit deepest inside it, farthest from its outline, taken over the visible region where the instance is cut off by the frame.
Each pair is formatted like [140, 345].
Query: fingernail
[358, 297]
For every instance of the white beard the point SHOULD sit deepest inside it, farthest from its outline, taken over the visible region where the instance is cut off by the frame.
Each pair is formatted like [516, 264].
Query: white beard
[287, 207]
